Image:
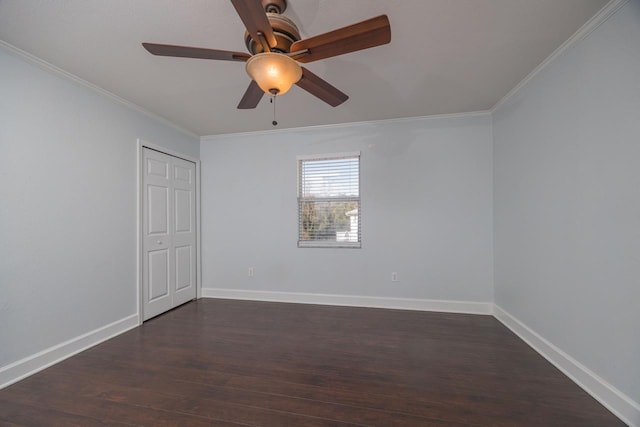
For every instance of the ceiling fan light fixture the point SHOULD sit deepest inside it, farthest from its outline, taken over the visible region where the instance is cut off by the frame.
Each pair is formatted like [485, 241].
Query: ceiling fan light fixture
[274, 72]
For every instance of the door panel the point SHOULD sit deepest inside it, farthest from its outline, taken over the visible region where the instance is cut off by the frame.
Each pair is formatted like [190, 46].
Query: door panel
[158, 168]
[158, 274]
[158, 213]
[169, 241]
[183, 211]
[183, 267]
[182, 174]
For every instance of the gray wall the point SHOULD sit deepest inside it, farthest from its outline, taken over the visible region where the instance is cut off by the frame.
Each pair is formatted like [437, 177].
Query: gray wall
[567, 205]
[426, 188]
[552, 181]
[67, 206]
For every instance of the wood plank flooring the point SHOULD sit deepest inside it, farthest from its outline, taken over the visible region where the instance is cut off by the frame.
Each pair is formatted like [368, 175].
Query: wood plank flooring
[245, 363]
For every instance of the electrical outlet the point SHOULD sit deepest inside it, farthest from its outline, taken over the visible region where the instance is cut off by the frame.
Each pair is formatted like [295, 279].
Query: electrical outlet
[394, 276]
[250, 272]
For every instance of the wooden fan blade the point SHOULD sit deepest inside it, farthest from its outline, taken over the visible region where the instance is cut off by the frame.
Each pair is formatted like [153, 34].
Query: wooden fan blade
[319, 88]
[363, 35]
[251, 97]
[194, 52]
[255, 19]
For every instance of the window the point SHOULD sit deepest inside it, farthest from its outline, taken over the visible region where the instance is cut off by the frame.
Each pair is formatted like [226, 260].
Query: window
[329, 201]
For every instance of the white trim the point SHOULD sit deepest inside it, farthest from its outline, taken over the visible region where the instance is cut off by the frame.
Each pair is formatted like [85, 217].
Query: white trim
[610, 397]
[593, 23]
[329, 156]
[142, 143]
[198, 234]
[139, 210]
[139, 191]
[400, 120]
[40, 63]
[30, 365]
[328, 244]
[466, 307]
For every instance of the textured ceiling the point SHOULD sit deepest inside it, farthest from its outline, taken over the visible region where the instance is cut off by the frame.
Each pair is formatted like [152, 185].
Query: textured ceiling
[445, 56]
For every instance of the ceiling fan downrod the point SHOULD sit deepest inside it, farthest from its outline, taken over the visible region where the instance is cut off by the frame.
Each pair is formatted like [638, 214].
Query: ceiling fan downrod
[274, 6]
[274, 92]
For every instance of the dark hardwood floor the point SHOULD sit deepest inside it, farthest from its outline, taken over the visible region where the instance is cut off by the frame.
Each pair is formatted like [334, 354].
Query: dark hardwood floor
[243, 363]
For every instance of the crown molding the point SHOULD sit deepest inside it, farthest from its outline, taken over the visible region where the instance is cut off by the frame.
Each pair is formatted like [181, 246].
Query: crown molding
[607, 11]
[599, 18]
[473, 114]
[42, 64]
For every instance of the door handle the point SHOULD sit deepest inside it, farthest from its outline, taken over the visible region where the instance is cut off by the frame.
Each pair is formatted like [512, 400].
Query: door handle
[159, 242]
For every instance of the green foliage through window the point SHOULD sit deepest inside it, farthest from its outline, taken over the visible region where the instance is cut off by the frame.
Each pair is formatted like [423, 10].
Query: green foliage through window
[322, 220]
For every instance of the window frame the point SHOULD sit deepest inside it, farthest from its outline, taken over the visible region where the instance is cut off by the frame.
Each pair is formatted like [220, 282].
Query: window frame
[300, 199]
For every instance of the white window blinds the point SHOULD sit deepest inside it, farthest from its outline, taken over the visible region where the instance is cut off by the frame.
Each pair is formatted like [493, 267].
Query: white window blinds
[329, 201]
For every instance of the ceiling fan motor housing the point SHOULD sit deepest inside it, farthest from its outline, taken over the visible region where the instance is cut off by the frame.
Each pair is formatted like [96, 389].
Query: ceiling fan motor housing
[285, 31]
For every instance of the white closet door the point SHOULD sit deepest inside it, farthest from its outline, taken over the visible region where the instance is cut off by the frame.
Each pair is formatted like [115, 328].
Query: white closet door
[184, 230]
[169, 235]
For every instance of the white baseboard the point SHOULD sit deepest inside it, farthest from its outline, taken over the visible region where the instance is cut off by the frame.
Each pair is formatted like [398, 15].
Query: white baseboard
[353, 301]
[613, 399]
[30, 365]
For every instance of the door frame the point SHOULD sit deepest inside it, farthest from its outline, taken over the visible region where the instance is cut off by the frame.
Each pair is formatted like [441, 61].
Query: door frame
[142, 144]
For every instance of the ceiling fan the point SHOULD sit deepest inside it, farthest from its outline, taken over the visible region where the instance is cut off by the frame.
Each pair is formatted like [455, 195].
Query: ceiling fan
[276, 51]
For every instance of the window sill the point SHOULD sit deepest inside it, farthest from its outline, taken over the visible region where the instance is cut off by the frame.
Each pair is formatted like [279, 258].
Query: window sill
[329, 244]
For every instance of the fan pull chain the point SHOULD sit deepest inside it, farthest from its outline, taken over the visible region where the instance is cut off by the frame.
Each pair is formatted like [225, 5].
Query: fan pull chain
[273, 101]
